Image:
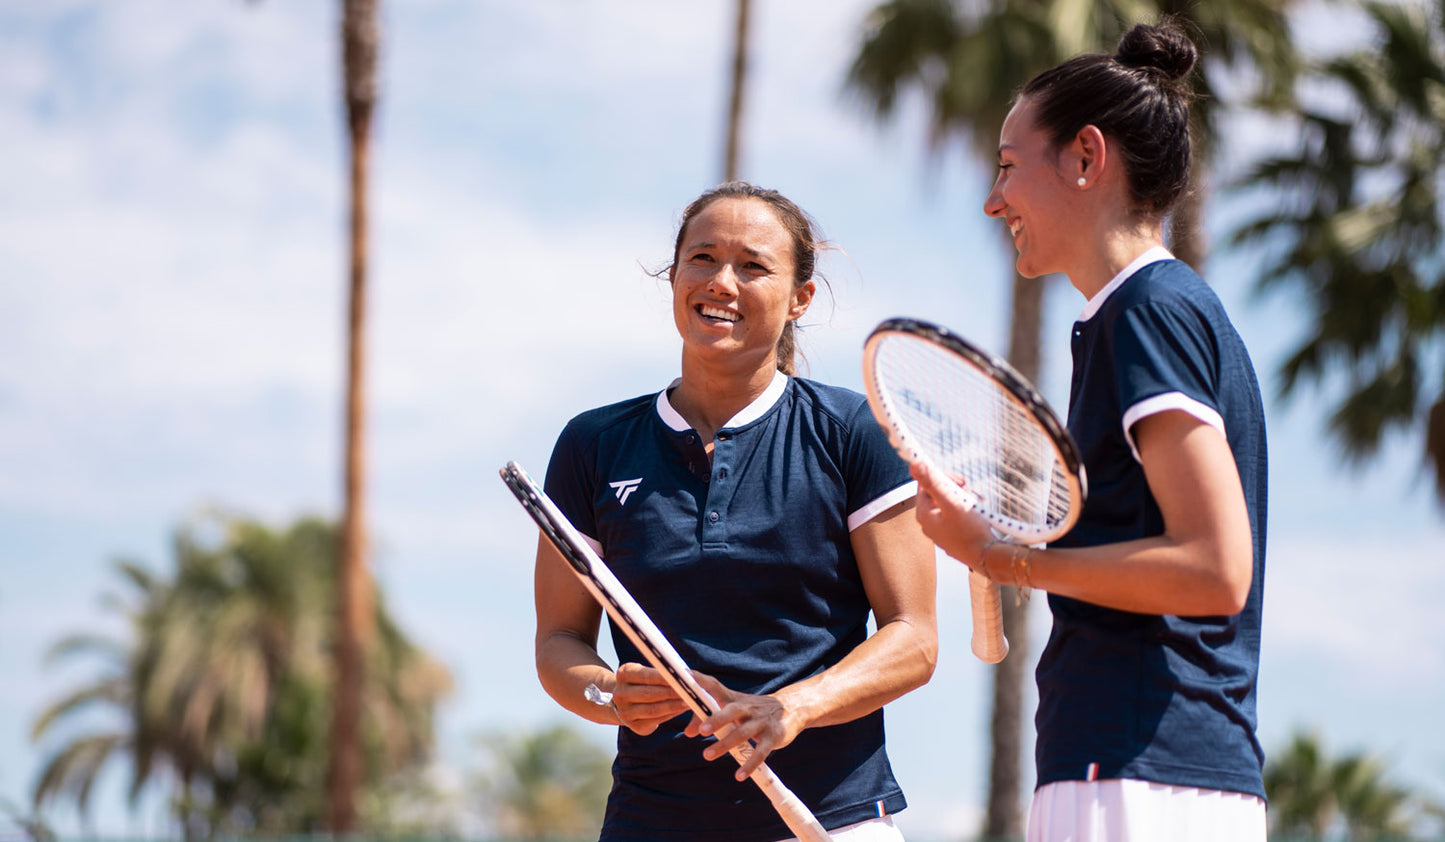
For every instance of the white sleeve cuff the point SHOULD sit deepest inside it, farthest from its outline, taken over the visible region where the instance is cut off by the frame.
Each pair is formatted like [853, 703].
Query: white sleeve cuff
[882, 504]
[1163, 403]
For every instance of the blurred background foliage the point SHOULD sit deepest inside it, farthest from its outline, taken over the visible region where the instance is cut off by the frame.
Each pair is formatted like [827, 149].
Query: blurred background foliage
[219, 690]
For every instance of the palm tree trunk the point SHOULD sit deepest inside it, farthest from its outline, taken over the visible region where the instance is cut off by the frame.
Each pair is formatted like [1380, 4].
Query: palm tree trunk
[1004, 819]
[354, 614]
[735, 101]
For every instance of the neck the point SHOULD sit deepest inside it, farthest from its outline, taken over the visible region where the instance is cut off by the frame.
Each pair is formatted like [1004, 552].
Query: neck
[1114, 248]
[709, 396]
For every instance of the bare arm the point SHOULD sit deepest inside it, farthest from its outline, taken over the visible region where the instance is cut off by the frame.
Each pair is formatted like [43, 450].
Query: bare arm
[896, 563]
[568, 622]
[1201, 565]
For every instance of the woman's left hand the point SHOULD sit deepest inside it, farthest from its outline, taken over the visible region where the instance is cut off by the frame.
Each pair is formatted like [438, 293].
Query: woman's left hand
[742, 717]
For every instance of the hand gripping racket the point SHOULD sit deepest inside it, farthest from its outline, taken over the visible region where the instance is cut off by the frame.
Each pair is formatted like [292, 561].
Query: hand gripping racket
[625, 611]
[969, 415]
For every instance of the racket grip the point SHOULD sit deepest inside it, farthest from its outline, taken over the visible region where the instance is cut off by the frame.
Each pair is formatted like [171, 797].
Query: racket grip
[795, 814]
[989, 644]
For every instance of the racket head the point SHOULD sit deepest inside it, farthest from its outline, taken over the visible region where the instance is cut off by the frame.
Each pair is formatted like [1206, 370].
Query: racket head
[962, 411]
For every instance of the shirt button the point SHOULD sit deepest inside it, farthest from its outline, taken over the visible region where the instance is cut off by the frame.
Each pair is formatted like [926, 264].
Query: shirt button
[713, 517]
[722, 473]
[691, 439]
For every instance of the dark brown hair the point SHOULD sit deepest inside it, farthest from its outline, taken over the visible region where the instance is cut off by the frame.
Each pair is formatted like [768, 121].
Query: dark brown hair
[1138, 98]
[800, 228]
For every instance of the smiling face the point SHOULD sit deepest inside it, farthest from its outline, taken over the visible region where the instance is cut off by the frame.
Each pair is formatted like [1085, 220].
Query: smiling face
[734, 284]
[1035, 197]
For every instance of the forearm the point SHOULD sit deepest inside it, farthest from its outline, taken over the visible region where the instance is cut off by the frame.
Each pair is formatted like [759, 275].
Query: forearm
[566, 664]
[1159, 575]
[898, 658]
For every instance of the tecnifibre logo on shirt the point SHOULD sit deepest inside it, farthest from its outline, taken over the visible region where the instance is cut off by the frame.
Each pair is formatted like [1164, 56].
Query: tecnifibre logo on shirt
[624, 488]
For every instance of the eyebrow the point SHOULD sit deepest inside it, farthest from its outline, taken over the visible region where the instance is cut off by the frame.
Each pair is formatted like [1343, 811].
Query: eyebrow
[708, 244]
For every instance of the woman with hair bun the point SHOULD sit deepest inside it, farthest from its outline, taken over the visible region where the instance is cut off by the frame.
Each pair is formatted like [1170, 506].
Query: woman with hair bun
[1146, 720]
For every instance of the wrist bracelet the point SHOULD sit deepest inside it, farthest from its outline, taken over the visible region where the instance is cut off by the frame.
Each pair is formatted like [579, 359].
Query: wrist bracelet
[1023, 585]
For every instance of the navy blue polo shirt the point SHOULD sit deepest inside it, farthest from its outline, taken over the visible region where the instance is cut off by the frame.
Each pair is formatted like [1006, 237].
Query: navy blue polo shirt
[745, 563]
[1159, 698]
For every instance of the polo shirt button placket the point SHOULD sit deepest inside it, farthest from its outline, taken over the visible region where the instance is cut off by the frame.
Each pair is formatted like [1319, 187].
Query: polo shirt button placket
[718, 489]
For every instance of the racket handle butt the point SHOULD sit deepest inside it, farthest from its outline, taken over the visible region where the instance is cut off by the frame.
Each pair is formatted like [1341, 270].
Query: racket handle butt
[990, 653]
[989, 644]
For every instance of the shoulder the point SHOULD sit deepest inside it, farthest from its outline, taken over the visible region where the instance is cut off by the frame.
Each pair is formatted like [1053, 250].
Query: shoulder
[839, 404]
[1166, 283]
[1166, 302]
[581, 444]
[593, 422]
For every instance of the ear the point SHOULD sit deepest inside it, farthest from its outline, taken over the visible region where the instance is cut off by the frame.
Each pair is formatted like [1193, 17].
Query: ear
[1087, 155]
[802, 297]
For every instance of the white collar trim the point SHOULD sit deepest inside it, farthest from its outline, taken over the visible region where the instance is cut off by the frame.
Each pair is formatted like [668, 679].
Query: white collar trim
[750, 413]
[1153, 255]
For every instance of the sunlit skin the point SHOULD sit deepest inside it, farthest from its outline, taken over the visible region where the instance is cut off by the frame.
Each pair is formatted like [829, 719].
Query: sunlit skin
[1087, 231]
[733, 291]
[1090, 231]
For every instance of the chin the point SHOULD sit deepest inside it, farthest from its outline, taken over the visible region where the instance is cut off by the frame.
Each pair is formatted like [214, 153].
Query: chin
[1030, 268]
[1027, 271]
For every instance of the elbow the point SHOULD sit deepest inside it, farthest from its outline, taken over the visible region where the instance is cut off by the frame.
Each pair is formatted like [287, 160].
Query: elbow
[1236, 590]
[930, 661]
[1228, 592]
[925, 655]
[914, 653]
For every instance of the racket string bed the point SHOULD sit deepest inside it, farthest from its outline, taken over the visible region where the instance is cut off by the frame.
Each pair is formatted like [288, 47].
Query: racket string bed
[974, 431]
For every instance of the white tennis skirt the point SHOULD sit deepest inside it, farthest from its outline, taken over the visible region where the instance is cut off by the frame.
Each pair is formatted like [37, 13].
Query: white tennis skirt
[880, 829]
[1121, 810]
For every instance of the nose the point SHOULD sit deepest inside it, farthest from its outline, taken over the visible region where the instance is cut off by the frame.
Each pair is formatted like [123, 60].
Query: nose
[724, 281]
[993, 204]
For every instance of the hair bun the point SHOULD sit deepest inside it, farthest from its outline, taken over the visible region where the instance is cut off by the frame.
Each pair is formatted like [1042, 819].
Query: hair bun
[1160, 48]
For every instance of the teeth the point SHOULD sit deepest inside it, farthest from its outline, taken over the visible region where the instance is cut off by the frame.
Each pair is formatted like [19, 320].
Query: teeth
[1014, 227]
[718, 313]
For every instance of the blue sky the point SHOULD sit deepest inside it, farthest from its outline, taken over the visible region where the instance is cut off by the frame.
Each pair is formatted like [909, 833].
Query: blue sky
[171, 312]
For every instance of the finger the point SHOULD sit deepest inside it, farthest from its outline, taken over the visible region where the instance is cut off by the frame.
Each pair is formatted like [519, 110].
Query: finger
[644, 719]
[734, 734]
[728, 715]
[754, 751]
[754, 759]
[657, 711]
[634, 673]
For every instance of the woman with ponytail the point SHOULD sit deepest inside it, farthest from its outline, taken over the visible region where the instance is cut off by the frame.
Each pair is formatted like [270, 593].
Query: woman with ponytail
[1146, 719]
[759, 518]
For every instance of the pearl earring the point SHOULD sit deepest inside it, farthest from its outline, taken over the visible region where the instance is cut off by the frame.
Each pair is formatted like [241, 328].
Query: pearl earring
[1082, 181]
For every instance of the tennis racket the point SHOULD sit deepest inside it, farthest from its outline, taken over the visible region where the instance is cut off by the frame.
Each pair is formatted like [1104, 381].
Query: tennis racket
[967, 414]
[625, 611]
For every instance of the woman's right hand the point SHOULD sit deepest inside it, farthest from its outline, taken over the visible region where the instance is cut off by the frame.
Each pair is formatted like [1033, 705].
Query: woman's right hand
[946, 516]
[643, 699]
